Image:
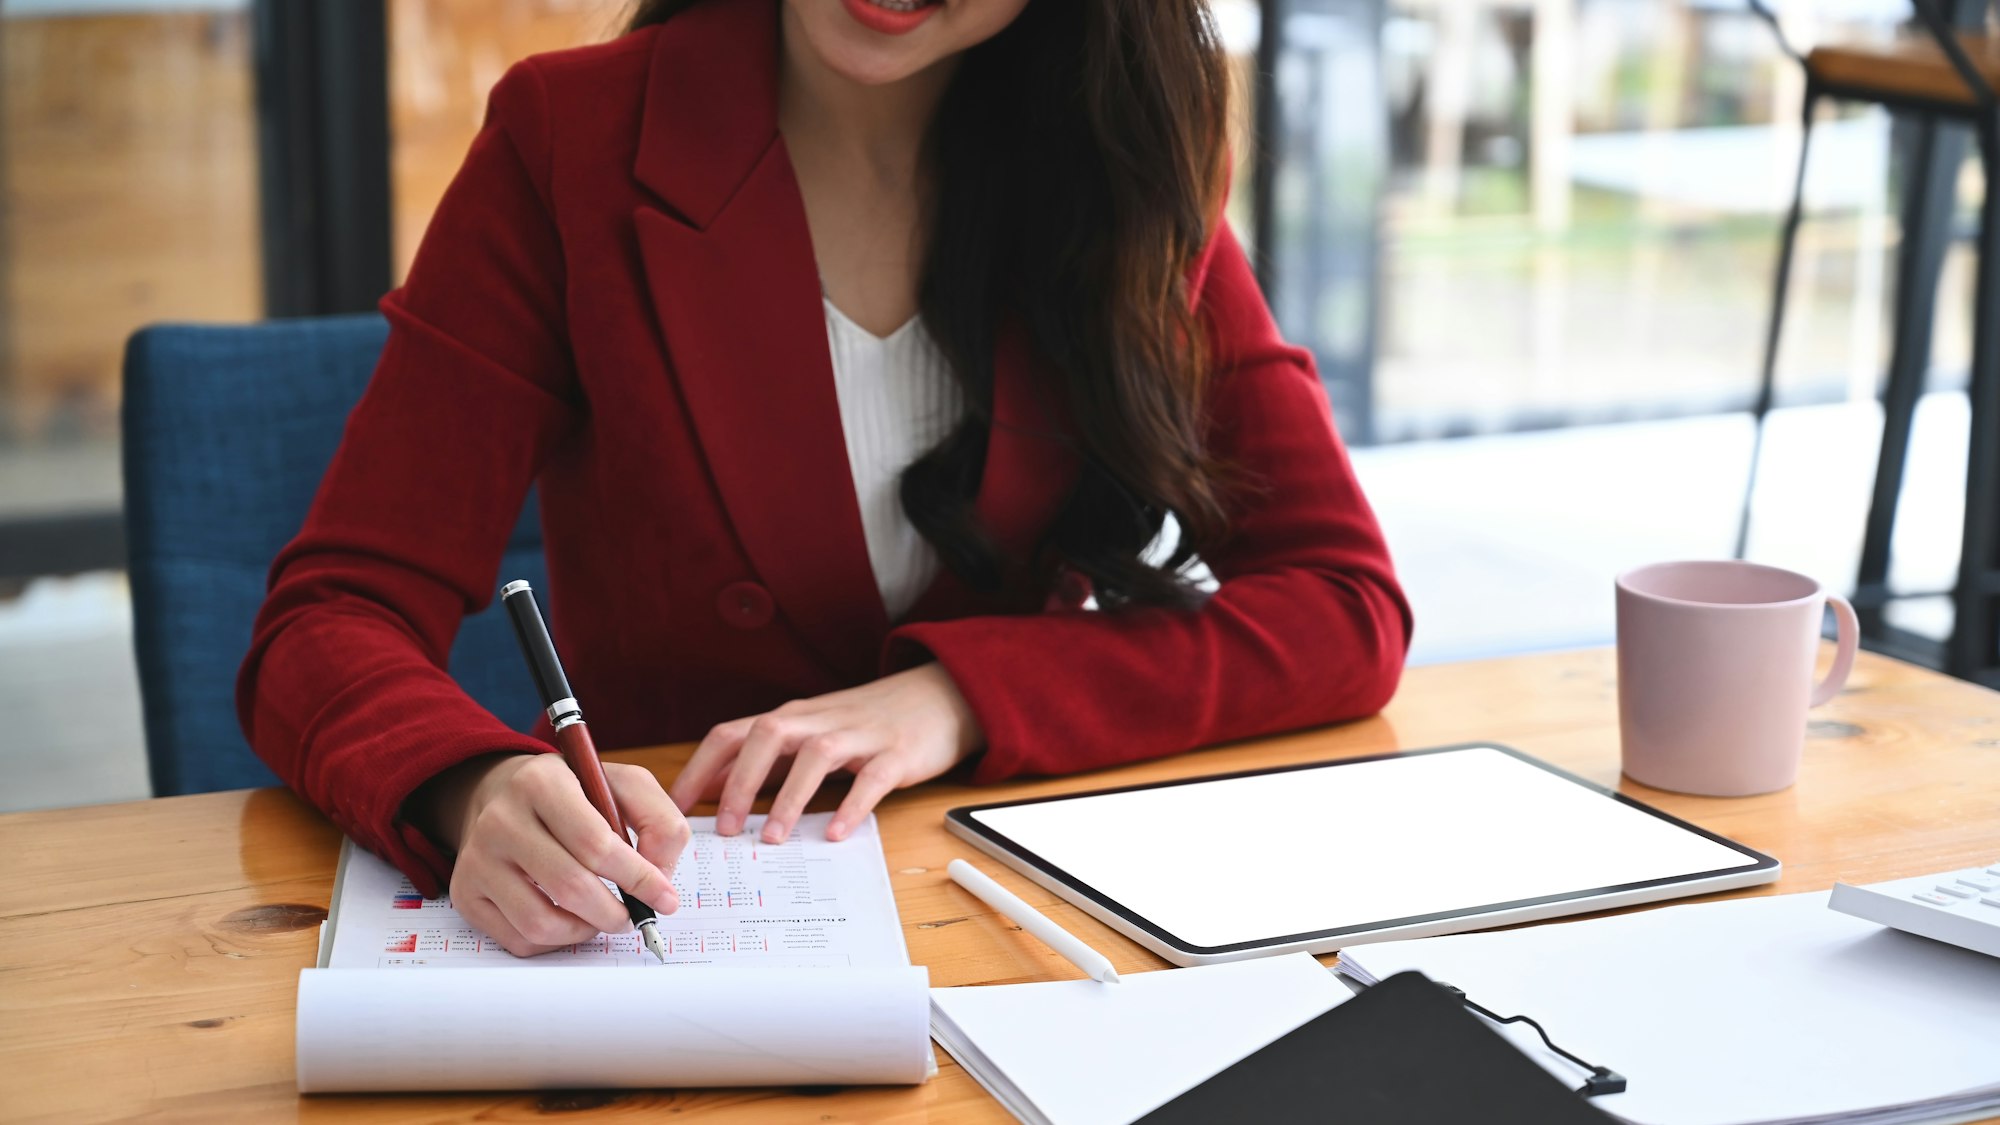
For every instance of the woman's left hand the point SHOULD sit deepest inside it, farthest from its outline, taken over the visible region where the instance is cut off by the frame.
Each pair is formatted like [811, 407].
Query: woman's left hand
[900, 730]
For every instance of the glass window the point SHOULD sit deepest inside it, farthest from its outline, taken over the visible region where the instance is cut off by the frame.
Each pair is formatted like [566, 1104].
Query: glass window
[444, 57]
[130, 196]
[1583, 205]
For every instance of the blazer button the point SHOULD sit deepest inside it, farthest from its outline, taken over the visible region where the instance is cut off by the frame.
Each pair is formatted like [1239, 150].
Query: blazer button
[745, 605]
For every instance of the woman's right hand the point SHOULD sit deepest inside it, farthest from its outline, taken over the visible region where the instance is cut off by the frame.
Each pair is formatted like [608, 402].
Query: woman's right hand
[532, 852]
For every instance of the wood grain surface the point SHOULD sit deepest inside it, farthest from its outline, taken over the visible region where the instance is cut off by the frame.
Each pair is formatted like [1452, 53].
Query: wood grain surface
[1913, 66]
[149, 952]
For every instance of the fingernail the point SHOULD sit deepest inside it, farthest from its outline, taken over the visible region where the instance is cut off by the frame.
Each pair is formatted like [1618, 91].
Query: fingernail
[773, 832]
[836, 831]
[728, 824]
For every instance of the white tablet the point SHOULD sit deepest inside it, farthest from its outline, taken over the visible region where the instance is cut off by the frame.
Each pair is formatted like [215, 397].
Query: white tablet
[1319, 856]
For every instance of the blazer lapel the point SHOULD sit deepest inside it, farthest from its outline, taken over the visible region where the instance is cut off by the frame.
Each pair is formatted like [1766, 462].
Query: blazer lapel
[729, 263]
[735, 287]
[1031, 465]
[1031, 457]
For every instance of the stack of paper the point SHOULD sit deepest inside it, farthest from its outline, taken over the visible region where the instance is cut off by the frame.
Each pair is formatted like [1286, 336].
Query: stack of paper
[787, 966]
[1772, 1011]
[1086, 1053]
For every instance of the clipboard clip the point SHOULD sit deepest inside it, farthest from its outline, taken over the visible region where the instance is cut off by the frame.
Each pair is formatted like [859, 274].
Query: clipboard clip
[1601, 1080]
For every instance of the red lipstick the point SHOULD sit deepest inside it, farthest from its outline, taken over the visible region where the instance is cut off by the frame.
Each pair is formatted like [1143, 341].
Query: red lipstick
[889, 21]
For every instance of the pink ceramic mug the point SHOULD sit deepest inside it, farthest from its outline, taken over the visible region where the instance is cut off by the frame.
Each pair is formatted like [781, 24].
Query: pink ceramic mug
[1715, 668]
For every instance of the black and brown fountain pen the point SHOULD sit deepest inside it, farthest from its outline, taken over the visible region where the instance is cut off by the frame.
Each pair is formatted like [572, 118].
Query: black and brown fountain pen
[572, 737]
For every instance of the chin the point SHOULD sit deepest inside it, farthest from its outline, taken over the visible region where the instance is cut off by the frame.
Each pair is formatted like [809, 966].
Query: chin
[869, 64]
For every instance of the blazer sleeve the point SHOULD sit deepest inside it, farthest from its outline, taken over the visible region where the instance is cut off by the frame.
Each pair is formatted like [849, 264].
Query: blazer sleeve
[344, 692]
[1309, 625]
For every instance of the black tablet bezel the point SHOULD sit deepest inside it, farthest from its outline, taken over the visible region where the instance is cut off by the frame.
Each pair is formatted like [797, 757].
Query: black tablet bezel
[963, 817]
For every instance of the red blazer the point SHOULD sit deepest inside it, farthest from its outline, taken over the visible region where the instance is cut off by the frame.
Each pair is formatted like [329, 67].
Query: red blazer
[617, 300]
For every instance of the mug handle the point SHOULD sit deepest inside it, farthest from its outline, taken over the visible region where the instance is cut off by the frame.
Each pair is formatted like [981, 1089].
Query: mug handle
[1847, 630]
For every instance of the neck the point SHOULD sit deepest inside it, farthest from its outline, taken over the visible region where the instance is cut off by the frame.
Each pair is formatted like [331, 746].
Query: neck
[876, 128]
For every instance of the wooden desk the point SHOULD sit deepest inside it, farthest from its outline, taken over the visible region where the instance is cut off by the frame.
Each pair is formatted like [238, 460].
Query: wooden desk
[149, 952]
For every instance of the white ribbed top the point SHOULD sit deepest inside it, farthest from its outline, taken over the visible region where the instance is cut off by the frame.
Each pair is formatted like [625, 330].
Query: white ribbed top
[897, 400]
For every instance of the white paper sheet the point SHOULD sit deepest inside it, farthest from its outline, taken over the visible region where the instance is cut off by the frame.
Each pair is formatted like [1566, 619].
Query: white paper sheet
[1086, 1053]
[497, 1029]
[1750, 1010]
[787, 967]
[803, 903]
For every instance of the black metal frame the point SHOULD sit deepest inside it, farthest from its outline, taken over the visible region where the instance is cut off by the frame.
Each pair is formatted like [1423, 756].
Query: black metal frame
[1973, 650]
[1348, 378]
[1936, 151]
[1264, 153]
[323, 141]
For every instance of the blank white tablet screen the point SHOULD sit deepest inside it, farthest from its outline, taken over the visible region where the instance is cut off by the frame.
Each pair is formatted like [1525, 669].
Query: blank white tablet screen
[1272, 855]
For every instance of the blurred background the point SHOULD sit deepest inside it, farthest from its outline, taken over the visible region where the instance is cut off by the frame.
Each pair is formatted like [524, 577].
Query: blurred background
[1530, 241]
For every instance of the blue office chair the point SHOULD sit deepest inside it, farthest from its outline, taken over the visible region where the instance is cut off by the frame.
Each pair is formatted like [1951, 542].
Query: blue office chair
[228, 430]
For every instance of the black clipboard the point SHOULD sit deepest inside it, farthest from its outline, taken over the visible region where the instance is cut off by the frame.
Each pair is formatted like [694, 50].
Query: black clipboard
[1403, 1052]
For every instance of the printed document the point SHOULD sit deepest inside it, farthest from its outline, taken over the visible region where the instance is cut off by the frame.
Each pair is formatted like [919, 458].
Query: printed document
[787, 967]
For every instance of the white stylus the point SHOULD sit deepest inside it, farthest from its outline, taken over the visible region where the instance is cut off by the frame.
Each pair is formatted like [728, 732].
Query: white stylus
[1094, 964]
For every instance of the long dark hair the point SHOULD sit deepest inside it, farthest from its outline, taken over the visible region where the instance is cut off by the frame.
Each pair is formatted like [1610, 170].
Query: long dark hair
[1077, 163]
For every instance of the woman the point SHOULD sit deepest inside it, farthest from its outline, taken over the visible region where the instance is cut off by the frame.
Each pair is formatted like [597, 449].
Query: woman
[713, 286]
